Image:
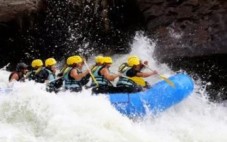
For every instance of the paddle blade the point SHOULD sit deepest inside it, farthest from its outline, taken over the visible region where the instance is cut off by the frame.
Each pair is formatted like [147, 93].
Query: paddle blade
[138, 80]
[167, 80]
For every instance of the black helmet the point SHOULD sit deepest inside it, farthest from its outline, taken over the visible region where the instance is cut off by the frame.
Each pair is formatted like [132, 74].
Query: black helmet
[21, 66]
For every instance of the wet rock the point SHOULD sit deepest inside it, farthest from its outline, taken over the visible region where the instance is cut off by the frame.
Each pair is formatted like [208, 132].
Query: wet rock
[16, 18]
[186, 28]
[12, 9]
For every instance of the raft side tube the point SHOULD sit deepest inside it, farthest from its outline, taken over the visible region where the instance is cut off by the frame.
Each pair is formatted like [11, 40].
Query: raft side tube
[158, 98]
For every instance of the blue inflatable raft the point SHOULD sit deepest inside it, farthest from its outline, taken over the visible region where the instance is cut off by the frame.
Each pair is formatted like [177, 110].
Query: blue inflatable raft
[156, 99]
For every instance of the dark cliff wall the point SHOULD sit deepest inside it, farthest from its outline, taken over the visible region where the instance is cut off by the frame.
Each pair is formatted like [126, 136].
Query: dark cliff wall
[186, 28]
[16, 18]
[182, 27]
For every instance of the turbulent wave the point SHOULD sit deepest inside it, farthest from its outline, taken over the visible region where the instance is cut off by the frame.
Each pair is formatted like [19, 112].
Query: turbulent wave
[29, 114]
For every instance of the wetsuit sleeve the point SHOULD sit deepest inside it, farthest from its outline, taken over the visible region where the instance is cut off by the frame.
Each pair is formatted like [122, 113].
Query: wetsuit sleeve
[131, 73]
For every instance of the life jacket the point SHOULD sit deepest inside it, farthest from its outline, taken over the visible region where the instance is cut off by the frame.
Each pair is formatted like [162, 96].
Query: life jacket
[60, 74]
[71, 83]
[50, 76]
[39, 75]
[21, 77]
[100, 79]
[124, 80]
[30, 75]
[122, 67]
[42, 74]
[85, 80]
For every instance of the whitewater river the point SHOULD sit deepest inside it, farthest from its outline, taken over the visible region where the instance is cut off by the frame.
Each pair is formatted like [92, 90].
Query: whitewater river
[29, 114]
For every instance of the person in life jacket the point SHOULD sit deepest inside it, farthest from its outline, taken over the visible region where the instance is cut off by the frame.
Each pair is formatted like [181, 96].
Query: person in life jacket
[53, 84]
[125, 64]
[73, 75]
[98, 64]
[103, 77]
[132, 76]
[19, 74]
[37, 71]
[84, 80]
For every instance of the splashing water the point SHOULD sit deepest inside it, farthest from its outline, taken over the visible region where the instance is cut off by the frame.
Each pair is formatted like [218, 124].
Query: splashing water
[29, 114]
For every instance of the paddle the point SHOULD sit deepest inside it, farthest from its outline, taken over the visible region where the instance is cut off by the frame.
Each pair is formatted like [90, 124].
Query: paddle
[92, 76]
[138, 80]
[54, 80]
[162, 77]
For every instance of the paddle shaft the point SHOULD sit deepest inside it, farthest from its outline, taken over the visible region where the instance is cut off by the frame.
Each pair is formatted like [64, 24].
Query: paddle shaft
[92, 76]
[162, 77]
[55, 79]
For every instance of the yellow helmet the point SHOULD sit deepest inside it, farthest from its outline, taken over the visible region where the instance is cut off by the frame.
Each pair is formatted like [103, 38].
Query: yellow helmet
[37, 63]
[132, 56]
[70, 60]
[77, 59]
[99, 59]
[107, 60]
[133, 62]
[50, 62]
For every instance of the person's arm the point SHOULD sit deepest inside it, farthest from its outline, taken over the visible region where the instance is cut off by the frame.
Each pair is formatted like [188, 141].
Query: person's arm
[14, 77]
[77, 76]
[105, 72]
[146, 74]
[143, 64]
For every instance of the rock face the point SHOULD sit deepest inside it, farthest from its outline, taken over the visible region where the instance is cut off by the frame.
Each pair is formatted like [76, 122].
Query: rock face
[12, 9]
[16, 18]
[186, 28]
[183, 27]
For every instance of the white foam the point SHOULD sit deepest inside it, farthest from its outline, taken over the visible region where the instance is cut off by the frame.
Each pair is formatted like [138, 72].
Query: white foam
[30, 114]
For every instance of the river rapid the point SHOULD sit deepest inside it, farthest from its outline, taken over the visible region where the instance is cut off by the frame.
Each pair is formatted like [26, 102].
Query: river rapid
[30, 114]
